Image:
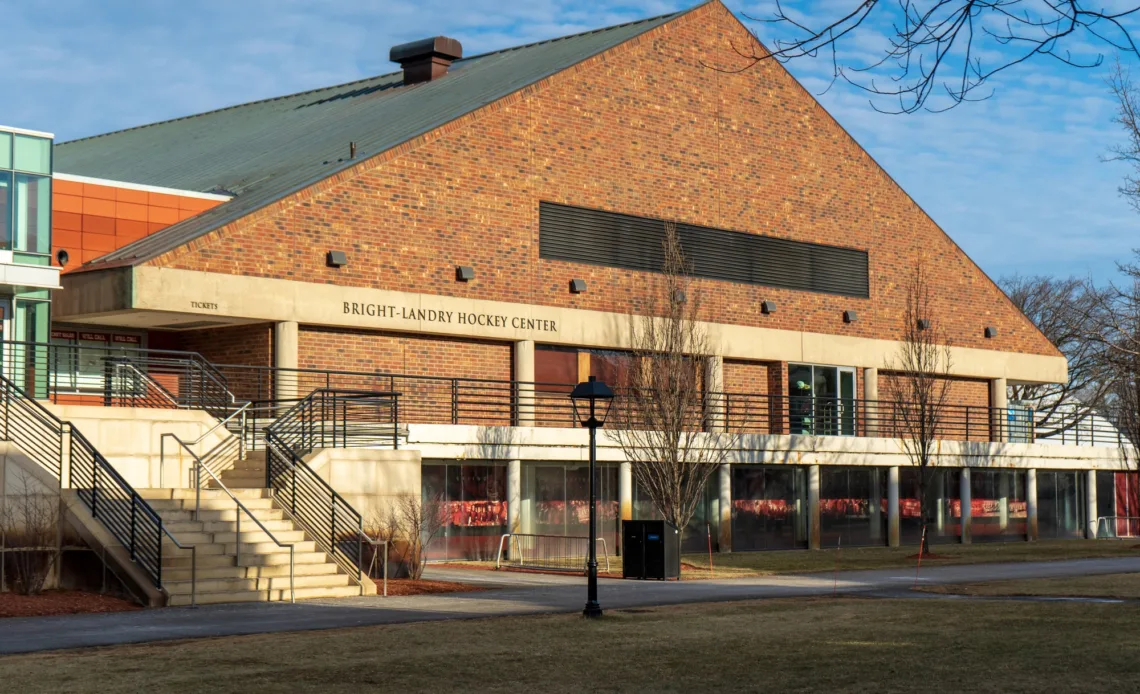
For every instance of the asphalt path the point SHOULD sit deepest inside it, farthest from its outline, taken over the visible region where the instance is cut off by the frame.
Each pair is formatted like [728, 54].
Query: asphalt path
[513, 594]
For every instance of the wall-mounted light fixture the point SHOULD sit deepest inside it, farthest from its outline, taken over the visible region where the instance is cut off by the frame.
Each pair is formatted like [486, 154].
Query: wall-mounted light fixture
[850, 316]
[767, 307]
[336, 259]
[577, 286]
[990, 332]
[464, 273]
[62, 257]
[924, 324]
[679, 296]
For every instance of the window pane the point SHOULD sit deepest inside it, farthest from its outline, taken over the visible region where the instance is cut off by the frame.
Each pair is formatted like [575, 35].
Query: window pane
[5, 150]
[33, 213]
[5, 210]
[33, 154]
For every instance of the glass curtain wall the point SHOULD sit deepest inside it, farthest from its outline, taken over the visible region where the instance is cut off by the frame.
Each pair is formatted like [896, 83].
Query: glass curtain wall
[998, 505]
[1060, 504]
[944, 493]
[696, 535]
[769, 507]
[556, 501]
[852, 506]
[475, 504]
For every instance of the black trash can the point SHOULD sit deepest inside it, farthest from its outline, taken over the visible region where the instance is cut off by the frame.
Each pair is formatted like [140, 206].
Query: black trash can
[650, 549]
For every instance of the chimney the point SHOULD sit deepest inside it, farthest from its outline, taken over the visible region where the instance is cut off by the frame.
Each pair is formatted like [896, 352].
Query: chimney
[426, 59]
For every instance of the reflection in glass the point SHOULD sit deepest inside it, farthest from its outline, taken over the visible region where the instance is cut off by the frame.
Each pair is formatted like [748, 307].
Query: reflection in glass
[769, 507]
[1060, 504]
[852, 506]
[32, 154]
[556, 501]
[475, 505]
[944, 493]
[5, 209]
[33, 214]
[997, 505]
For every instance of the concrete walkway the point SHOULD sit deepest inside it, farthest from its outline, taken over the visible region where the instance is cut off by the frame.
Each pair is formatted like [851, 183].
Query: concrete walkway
[516, 594]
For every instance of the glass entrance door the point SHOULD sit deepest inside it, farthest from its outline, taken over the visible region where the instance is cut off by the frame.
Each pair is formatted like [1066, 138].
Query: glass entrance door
[821, 400]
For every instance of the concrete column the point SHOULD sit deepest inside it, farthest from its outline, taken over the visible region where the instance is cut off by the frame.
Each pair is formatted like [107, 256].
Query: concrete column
[893, 506]
[967, 512]
[1031, 504]
[871, 396]
[813, 506]
[999, 401]
[285, 348]
[625, 490]
[514, 495]
[724, 526]
[1090, 503]
[715, 416]
[524, 377]
[876, 505]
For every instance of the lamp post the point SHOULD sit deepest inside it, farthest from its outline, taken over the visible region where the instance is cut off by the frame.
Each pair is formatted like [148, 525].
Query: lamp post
[592, 400]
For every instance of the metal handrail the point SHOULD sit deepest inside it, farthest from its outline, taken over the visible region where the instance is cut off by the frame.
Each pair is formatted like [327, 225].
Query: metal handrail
[241, 507]
[372, 564]
[1105, 519]
[193, 565]
[518, 546]
[162, 440]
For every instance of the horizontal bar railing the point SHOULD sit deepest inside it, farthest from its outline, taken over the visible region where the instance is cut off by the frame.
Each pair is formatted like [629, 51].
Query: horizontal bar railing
[1076, 424]
[116, 376]
[49, 441]
[548, 552]
[327, 419]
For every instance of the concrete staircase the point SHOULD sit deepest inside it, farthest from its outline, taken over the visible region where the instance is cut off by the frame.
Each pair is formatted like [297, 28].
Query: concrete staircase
[245, 474]
[263, 572]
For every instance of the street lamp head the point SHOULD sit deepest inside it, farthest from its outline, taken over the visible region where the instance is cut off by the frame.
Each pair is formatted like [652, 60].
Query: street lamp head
[591, 400]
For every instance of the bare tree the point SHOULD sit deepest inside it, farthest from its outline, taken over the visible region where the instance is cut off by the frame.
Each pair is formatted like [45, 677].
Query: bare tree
[948, 48]
[917, 391]
[659, 414]
[1064, 310]
[1116, 328]
[410, 523]
[30, 522]
[1128, 118]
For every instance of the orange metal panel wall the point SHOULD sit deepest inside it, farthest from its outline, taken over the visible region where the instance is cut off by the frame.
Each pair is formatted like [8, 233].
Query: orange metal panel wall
[91, 220]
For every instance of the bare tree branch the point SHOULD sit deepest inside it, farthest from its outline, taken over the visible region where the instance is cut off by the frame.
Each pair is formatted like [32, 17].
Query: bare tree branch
[659, 418]
[951, 48]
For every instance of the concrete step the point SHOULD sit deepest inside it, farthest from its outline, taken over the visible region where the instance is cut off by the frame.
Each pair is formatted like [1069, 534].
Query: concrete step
[209, 504]
[231, 571]
[251, 534]
[230, 526]
[239, 585]
[269, 547]
[180, 559]
[262, 514]
[267, 595]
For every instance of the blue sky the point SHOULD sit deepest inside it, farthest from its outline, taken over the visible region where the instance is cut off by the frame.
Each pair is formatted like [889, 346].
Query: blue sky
[1017, 180]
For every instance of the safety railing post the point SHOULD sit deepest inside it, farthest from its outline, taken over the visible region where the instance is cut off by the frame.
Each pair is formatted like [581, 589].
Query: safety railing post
[454, 401]
[134, 524]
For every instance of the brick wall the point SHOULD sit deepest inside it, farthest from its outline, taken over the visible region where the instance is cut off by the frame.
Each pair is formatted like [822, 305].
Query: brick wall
[422, 355]
[240, 344]
[647, 129]
[966, 416]
[90, 220]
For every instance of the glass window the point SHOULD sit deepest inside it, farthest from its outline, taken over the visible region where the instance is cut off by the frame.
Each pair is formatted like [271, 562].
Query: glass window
[1060, 504]
[474, 499]
[821, 400]
[943, 492]
[769, 507]
[33, 214]
[997, 505]
[5, 209]
[32, 154]
[5, 150]
[852, 506]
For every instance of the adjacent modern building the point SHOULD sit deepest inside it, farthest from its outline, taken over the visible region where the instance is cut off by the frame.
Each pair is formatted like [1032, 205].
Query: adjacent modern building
[475, 232]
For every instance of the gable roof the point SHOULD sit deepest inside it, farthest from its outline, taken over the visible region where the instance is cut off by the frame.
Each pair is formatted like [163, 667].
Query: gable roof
[266, 150]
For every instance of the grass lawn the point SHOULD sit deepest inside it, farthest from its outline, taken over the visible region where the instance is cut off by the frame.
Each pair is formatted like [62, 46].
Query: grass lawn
[823, 644]
[1124, 586]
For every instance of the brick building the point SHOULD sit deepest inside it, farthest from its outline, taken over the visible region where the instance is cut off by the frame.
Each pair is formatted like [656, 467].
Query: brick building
[473, 222]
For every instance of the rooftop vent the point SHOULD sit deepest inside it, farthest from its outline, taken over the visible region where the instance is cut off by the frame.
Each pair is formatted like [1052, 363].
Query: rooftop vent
[426, 59]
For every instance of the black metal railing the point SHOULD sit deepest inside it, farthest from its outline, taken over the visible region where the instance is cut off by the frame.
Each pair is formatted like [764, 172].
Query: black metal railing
[1076, 424]
[117, 505]
[117, 376]
[41, 436]
[327, 419]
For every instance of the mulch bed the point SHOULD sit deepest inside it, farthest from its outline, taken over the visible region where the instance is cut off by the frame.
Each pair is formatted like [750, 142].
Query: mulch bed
[516, 569]
[406, 586]
[929, 555]
[53, 602]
